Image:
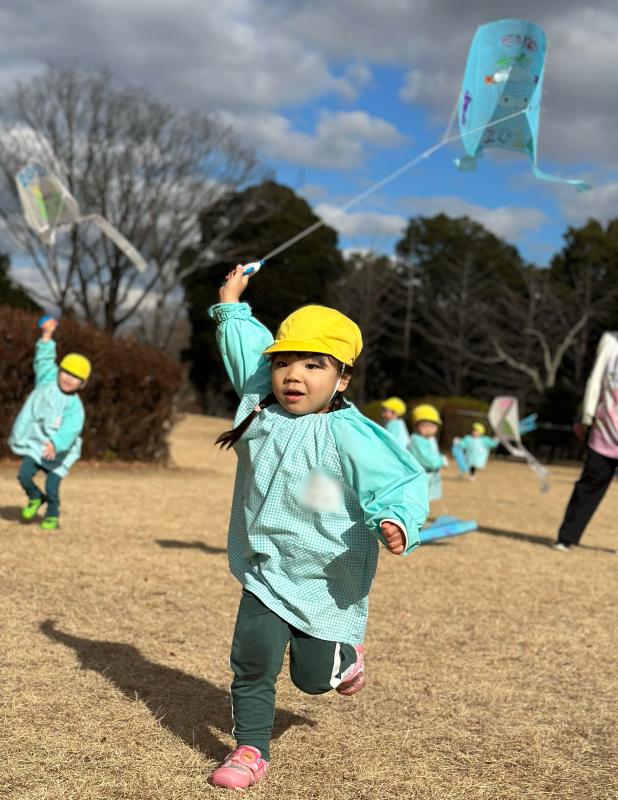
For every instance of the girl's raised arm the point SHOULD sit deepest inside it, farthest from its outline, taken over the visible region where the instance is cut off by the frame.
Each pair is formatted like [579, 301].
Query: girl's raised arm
[241, 338]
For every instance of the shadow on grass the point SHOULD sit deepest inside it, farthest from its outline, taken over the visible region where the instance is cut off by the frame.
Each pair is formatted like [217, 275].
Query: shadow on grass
[11, 513]
[187, 706]
[195, 544]
[545, 541]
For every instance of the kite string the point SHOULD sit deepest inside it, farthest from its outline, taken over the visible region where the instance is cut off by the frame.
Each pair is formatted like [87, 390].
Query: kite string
[391, 177]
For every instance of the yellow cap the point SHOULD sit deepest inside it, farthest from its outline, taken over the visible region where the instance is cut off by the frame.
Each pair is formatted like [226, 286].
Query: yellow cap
[396, 405]
[478, 426]
[318, 329]
[76, 365]
[426, 413]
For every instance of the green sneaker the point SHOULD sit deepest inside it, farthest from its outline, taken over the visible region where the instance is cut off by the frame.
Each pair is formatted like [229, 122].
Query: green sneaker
[50, 524]
[29, 512]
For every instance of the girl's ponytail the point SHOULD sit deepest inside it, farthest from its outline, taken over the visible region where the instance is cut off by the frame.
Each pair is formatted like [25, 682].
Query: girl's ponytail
[229, 438]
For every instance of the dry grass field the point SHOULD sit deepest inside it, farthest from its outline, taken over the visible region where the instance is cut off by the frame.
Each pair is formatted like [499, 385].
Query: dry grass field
[492, 659]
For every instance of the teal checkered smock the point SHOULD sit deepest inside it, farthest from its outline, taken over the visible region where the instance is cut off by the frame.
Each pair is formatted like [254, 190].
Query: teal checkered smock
[310, 557]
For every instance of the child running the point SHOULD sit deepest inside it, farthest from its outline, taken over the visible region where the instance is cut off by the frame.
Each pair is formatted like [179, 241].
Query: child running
[47, 431]
[424, 446]
[393, 411]
[317, 486]
[476, 447]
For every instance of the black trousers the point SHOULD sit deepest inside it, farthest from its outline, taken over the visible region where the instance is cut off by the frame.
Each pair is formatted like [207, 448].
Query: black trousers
[587, 494]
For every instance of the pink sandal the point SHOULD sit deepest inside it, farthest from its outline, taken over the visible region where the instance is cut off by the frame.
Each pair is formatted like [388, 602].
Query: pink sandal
[353, 679]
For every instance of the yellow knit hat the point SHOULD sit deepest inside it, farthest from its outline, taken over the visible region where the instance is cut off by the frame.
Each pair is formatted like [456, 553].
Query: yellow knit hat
[478, 426]
[76, 365]
[396, 405]
[318, 329]
[426, 413]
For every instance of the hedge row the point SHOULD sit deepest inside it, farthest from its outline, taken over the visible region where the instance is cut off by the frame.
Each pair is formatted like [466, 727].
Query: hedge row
[129, 400]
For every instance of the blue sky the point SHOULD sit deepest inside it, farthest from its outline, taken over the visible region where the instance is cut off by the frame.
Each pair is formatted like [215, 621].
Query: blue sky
[336, 94]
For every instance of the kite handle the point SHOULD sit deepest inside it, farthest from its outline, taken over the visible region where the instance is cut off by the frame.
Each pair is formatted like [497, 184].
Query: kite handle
[253, 267]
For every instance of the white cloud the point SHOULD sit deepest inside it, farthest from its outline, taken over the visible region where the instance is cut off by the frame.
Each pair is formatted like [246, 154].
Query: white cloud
[371, 224]
[228, 54]
[601, 203]
[507, 222]
[339, 141]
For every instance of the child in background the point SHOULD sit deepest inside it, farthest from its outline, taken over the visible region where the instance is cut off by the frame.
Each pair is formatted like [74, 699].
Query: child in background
[318, 485]
[393, 410]
[600, 418]
[476, 447]
[424, 446]
[47, 431]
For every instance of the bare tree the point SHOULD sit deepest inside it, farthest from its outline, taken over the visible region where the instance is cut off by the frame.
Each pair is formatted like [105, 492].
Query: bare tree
[146, 167]
[531, 328]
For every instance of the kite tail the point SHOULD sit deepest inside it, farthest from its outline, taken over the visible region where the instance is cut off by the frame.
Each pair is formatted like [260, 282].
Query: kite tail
[581, 186]
[519, 451]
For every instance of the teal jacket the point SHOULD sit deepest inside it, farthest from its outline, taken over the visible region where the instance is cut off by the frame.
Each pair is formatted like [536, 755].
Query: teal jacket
[477, 449]
[427, 452]
[49, 415]
[310, 494]
[398, 430]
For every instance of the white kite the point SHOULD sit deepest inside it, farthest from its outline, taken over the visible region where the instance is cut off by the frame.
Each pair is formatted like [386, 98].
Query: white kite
[48, 206]
[503, 417]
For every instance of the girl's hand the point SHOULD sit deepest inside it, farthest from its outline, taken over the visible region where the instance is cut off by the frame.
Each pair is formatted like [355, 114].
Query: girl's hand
[49, 451]
[394, 537]
[235, 284]
[48, 329]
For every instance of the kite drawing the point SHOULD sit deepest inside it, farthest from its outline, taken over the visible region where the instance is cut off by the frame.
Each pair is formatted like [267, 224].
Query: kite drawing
[500, 98]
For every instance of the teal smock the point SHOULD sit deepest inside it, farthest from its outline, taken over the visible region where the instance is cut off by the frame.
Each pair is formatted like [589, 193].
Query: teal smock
[310, 561]
[476, 449]
[398, 430]
[49, 415]
[426, 451]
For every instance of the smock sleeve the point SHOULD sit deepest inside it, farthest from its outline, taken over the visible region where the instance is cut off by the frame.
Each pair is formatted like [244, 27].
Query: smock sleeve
[425, 453]
[607, 346]
[70, 428]
[388, 482]
[242, 340]
[45, 367]
[489, 443]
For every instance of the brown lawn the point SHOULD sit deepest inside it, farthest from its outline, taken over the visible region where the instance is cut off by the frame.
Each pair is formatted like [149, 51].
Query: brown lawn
[492, 659]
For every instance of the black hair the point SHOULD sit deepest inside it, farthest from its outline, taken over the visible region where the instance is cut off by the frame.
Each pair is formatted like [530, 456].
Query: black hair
[229, 438]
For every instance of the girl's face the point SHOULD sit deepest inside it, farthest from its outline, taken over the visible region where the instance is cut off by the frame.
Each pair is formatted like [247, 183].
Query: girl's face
[304, 383]
[388, 413]
[427, 429]
[68, 383]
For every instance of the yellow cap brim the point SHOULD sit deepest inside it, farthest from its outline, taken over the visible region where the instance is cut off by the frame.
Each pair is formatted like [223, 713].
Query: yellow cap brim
[316, 346]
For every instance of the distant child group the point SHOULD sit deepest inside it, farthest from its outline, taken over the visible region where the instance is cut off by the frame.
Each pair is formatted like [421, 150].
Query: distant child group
[423, 443]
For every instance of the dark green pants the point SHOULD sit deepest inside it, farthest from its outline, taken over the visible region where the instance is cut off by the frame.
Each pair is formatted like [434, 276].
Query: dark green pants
[260, 640]
[27, 471]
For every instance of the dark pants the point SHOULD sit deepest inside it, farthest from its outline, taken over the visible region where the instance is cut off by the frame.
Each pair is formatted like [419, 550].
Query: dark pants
[587, 494]
[260, 640]
[27, 471]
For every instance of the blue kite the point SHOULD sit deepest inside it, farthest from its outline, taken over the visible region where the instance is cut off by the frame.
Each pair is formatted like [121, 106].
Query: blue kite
[500, 98]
